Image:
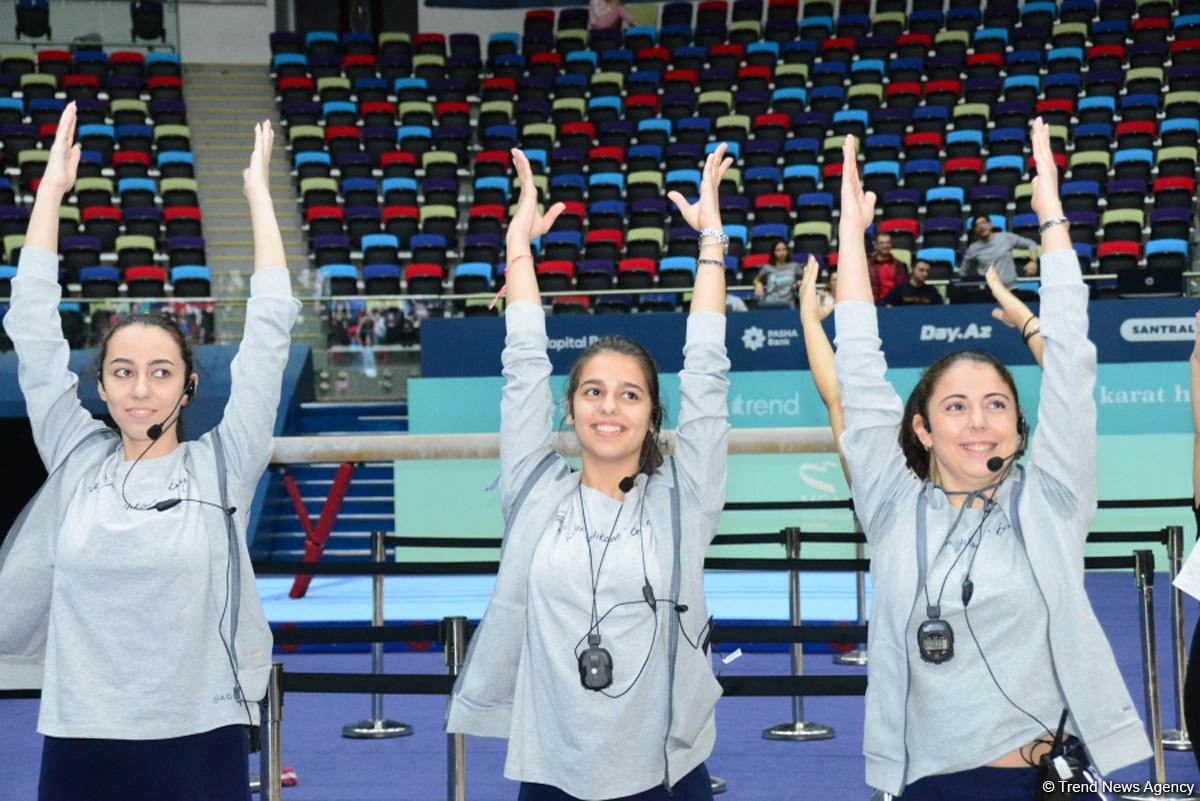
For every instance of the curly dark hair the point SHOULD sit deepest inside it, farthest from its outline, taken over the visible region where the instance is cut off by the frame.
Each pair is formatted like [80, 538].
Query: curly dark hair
[915, 453]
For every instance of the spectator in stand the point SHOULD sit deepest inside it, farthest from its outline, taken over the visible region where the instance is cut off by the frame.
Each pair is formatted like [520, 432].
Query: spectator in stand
[992, 247]
[914, 292]
[606, 14]
[776, 283]
[885, 270]
[826, 298]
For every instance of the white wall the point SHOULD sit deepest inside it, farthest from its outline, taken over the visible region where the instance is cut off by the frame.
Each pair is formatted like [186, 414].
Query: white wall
[226, 33]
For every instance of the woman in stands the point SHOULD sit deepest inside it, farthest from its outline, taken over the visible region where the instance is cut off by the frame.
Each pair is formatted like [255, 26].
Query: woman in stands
[983, 644]
[126, 584]
[592, 656]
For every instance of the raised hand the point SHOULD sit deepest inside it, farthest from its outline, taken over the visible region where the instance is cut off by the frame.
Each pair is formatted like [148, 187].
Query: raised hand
[1045, 199]
[810, 306]
[858, 207]
[1012, 312]
[256, 178]
[63, 163]
[527, 223]
[705, 213]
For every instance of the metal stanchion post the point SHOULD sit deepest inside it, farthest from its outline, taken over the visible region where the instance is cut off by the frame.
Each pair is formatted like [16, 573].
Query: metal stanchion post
[1144, 575]
[270, 751]
[797, 728]
[377, 727]
[455, 633]
[1177, 739]
[859, 655]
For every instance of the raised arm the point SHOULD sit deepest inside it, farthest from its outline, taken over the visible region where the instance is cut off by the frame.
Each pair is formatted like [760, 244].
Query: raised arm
[820, 356]
[256, 186]
[872, 408]
[705, 216]
[857, 214]
[1015, 314]
[256, 373]
[51, 390]
[1194, 368]
[702, 435]
[527, 224]
[526, 404]
[1064, 445]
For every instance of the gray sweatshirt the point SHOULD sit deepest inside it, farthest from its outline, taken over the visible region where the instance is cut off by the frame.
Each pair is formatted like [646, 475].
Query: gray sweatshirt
[998, 251]
[684, 497]
[1048, 507]
[121, 614]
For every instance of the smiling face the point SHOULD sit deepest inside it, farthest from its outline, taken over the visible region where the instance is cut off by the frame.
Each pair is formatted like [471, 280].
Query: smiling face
[611, 412]
[972, 416]
[142, 376]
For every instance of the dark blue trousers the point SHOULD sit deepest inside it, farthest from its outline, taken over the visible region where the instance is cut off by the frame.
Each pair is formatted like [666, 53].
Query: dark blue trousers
[980, 784]
[211, 766]
[696, 786]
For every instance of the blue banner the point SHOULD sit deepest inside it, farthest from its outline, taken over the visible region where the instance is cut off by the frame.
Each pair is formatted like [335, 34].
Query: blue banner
[1131, 331]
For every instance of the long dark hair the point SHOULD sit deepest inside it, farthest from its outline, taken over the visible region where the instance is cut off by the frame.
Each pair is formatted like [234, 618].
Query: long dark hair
[651, 456]
[167, 323]
[915, 453]
[775, 244]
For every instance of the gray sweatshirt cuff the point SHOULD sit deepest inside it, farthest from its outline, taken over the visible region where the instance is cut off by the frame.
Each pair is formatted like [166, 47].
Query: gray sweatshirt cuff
[38, 262]
[1060, 267]
[855, 318]
[271, 281]
[524, 315]
[706, 326]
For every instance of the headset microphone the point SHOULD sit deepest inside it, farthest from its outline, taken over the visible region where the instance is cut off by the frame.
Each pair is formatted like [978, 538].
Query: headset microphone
[995, 463]
[189, 391]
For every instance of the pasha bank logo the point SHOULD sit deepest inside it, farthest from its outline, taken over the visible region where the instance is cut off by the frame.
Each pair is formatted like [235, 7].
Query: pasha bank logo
[753, 338]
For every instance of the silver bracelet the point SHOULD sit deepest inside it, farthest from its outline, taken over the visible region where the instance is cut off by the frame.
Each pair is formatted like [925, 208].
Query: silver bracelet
[721, 237]
[1053, 222]
[714, 262]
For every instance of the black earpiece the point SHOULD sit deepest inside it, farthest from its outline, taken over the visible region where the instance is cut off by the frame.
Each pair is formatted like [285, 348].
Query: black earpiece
[189, 389]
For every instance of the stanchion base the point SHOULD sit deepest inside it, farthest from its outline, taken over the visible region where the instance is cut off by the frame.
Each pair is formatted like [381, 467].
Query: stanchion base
[255, 783]
[799, 730]
[376, 729]
[1175, 740]
[718, 785]
[857, 657]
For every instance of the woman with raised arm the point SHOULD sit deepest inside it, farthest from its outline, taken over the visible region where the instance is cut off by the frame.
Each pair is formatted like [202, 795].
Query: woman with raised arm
[126, 584]
[592, 657]
[986, 658]
[1012, 311]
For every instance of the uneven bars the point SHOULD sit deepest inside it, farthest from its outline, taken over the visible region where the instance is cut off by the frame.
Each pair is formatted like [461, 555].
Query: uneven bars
[386, 447]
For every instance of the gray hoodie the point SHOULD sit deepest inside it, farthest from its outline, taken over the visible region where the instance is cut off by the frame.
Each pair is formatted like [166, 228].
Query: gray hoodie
[1050, 507]
[222, 466]
[685, 496]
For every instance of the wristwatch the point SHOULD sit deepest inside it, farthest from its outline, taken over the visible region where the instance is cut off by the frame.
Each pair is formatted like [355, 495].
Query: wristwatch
[721, 237]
